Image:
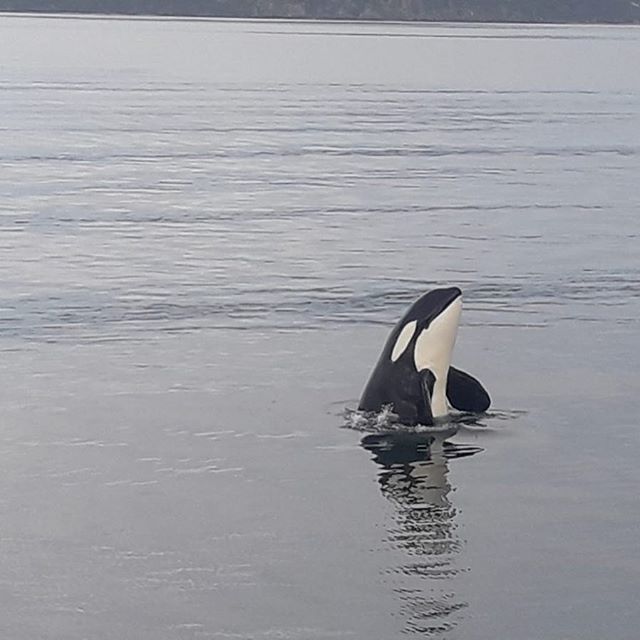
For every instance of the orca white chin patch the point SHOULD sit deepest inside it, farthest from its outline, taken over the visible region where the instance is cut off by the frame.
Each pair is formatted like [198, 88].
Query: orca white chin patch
[433, 350]
[403, 340]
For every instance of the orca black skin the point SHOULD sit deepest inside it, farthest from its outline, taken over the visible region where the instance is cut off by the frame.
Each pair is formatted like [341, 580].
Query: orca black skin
[413, 374]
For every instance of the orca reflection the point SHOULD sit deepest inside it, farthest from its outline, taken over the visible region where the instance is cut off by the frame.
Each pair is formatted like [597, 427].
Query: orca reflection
[414, 375]
[413, 476]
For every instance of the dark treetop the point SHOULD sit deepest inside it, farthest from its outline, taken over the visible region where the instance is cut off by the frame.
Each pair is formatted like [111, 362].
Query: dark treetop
[559, 11]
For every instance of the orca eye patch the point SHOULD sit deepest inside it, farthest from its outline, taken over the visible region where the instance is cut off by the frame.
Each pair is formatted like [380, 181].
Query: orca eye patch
[403, 340]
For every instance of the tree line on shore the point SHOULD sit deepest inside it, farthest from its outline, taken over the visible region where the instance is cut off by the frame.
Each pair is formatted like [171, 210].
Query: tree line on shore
[536, 11]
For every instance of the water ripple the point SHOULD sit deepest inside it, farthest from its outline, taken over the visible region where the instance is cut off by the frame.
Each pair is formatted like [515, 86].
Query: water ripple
[529, 302]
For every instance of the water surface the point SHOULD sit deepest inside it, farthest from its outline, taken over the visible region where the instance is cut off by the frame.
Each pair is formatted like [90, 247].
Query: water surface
[206, 231]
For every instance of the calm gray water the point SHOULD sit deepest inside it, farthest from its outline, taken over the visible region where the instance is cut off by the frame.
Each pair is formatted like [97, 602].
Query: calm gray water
[206, 231]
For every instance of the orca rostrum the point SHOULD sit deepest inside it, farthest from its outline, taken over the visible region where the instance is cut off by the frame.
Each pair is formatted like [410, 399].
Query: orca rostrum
[414, 376]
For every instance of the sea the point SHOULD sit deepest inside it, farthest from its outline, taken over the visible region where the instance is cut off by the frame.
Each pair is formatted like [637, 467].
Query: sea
[208, 229]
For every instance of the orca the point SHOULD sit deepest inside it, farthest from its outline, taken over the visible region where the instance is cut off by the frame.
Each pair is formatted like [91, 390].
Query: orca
[414, 376]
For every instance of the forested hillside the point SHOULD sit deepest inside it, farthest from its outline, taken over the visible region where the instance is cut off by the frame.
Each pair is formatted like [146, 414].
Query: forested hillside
[560, 11]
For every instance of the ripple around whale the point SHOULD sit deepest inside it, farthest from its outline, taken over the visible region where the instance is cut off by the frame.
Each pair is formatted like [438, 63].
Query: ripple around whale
[386, 421]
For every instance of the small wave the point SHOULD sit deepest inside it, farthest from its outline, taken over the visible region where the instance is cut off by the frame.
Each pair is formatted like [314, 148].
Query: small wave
[97, 315]
[386, 421]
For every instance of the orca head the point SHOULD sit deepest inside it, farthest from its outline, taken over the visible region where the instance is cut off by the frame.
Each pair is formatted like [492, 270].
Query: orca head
[424, 340]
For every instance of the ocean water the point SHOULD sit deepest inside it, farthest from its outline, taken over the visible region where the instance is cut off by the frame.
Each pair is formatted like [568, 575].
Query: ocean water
[207, 229]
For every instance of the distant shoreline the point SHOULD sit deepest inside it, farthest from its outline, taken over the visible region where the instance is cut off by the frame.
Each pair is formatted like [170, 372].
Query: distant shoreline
[525, 12]
[61, 15]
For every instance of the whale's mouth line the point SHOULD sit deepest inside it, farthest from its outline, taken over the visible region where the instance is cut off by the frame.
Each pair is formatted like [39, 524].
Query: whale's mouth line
[445, 307]
[457, 297]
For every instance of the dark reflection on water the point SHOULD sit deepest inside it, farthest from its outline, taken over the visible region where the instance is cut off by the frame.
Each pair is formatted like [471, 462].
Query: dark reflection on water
[414, 478]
